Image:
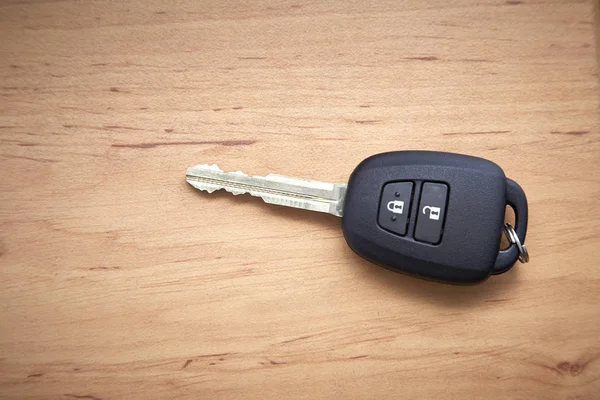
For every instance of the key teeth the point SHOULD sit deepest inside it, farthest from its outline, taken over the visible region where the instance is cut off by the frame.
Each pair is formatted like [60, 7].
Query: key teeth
[236, 192]
[202, 186]
[213, 188]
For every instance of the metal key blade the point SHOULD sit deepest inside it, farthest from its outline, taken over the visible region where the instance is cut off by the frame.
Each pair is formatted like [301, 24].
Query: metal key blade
[273, 189]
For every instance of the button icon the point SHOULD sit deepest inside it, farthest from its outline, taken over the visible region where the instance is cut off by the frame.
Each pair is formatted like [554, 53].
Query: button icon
[434, 212]
[396, 206]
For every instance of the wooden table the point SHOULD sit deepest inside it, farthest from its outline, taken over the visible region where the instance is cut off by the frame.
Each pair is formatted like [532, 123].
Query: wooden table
[119, 281]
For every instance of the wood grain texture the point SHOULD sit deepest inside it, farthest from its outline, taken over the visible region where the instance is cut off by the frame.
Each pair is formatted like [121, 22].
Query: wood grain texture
[118, 280]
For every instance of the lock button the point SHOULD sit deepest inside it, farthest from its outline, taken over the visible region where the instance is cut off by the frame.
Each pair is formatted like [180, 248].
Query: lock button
[394, 207]
[431, 214]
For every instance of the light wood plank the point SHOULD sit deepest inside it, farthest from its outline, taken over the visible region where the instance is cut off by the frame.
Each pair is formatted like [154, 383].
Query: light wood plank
[118, 280]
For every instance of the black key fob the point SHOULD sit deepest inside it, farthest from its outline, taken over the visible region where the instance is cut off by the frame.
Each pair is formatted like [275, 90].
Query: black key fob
[434, 215]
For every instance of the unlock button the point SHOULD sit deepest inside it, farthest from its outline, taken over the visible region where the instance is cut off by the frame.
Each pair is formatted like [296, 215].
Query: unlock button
[432, 207]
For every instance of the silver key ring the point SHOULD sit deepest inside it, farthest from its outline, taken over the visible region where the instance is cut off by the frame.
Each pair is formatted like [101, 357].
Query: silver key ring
[512, 237]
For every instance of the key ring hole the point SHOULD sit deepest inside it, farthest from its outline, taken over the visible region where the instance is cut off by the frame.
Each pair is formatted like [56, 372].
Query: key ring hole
[509, 218]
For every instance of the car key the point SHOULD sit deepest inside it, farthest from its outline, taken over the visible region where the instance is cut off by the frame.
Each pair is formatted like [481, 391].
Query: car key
[430, 214]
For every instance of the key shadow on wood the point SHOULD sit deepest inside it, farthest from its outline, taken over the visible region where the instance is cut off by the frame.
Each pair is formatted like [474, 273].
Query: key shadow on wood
[496, 289]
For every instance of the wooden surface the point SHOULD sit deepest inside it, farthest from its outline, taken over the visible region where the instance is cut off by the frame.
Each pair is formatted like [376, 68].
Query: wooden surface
[118, 280]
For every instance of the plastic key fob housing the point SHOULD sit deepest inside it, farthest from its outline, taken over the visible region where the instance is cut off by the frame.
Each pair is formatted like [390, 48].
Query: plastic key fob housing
[435, 215]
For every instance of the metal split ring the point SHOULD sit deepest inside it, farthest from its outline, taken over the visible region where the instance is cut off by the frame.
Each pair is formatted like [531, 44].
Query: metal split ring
[512, 237]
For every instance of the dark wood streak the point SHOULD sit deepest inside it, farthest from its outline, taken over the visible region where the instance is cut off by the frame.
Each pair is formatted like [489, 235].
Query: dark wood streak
[357, 357]
[563, 366]
[188, 362]
[576, 133]
[213, 355]
[35, 375]
[577, 367]
[42, 160]
[104, 127]
[277, 362]
[296, 339]
[367, 121]
[151, 145]
[514, 2]
[129, 128]
[570, 368]
[422, 58]
[117, 90]
[473, 133]
[82, 396]
[552, 368]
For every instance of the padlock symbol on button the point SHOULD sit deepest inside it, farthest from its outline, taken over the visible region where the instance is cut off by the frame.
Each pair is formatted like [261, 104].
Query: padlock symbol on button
[434, 212]
[396, 206]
